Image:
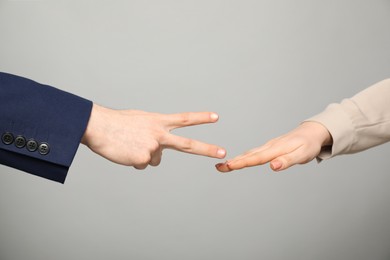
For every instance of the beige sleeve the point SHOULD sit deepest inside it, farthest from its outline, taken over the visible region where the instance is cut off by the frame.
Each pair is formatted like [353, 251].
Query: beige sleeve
[357, 123]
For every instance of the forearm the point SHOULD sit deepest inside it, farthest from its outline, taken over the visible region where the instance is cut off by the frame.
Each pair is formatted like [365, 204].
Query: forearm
[45, 115]
[358, 123]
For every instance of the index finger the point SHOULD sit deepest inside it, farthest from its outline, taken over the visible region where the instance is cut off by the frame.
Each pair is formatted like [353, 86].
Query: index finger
[190, 119]
[255, 157]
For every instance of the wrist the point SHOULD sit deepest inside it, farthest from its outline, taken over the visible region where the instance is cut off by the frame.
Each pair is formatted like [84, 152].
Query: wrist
[90, 129]
[321, 133]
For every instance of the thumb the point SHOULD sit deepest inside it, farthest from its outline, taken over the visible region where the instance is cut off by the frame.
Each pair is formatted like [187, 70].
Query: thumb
[282, 162]
[276, 165]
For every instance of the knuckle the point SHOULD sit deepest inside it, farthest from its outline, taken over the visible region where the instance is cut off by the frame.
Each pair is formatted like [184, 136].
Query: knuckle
[188, 144]
[286, 161]
[144, 159]
[185, 118]
[154, 146]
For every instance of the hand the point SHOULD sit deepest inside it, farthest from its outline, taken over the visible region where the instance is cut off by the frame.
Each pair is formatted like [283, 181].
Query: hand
[296, 147]
[137, 138]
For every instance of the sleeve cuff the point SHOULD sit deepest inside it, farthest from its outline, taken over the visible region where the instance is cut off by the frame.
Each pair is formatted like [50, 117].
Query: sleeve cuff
[340, 126]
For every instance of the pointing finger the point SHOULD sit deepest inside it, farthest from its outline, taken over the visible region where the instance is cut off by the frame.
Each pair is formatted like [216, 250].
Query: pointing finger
[250, 159]
[190, 119]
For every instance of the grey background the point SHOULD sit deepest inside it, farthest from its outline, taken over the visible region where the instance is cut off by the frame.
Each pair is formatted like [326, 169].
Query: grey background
[264, 66]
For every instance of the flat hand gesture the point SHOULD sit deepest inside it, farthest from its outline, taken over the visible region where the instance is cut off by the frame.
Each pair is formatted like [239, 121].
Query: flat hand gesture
[296, 147]
[137, 138]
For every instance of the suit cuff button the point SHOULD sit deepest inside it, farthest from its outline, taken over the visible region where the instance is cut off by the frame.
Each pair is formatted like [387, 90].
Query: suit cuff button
[44, 148]
[32, 145]
[7, 138]
[20, 141]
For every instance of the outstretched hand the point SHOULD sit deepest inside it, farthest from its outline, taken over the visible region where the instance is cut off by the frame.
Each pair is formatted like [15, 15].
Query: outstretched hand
[137, 138]
[299, 146]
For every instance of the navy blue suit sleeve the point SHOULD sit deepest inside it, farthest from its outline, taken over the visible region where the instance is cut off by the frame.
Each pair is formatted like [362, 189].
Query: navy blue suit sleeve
[52, 120]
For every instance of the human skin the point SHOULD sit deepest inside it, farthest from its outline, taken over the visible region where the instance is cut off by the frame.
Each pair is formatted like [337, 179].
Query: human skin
[138, 138]
[299, 146]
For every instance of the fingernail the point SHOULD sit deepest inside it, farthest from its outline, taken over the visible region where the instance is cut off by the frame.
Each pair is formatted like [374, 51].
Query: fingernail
[221, 167]
[214, 116]
[221, 152]
[276, 165]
